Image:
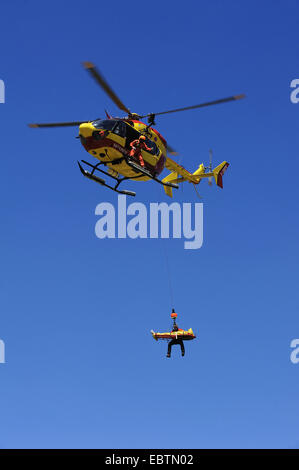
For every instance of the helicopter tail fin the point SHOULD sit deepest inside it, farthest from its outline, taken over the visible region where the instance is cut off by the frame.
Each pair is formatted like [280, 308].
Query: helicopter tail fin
[218, 172]
[200, 170]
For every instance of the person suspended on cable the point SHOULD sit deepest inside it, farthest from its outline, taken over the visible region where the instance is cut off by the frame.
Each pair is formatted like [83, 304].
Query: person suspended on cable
[138, 145]
[176, 336]
[175, 328]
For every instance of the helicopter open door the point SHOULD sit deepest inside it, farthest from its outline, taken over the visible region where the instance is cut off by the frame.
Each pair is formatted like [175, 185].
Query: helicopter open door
[131, 134]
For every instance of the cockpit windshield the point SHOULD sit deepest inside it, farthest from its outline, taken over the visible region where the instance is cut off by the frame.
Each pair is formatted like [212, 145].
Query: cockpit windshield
[104, 124]
[117, 127]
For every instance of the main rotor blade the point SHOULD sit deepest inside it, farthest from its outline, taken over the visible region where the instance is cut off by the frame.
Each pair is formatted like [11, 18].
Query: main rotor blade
[106, 87]
[171, 150]
[58, 124]
[202, 105]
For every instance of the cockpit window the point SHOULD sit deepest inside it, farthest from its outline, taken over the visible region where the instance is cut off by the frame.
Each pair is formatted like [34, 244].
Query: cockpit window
[104, 124]
[117, 127]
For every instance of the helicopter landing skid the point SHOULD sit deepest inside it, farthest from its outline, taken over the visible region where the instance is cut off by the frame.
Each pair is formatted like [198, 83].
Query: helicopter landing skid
[145, 172]
[97, 179]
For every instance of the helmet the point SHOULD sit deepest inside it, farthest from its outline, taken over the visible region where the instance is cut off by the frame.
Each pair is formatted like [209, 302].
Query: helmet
[142, 137]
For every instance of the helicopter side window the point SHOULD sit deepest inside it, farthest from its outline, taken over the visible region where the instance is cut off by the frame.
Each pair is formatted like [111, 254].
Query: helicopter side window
[155, 149]
[119, 128]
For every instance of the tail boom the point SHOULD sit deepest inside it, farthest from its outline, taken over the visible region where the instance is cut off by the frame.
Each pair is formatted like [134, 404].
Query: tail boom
[180, 174]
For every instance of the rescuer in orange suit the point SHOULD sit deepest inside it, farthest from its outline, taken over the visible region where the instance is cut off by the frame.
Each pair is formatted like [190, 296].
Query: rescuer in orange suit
[138, 145]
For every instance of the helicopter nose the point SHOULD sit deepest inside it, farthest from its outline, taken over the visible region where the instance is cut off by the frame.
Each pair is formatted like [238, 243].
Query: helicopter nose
[86, 129]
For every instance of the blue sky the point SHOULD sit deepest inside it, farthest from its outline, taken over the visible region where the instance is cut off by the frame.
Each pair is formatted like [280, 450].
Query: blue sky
[82, 369]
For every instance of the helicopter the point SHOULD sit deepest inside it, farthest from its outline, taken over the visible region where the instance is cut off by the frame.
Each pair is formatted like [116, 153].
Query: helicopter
[110, 141]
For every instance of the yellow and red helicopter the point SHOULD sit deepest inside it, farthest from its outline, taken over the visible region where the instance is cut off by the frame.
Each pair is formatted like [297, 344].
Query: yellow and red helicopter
[108, 140]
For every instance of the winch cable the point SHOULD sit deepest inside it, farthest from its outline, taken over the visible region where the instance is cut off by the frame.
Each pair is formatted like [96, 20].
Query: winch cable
[169, 278]
[167, 265]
